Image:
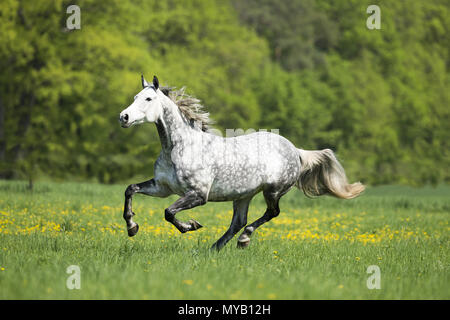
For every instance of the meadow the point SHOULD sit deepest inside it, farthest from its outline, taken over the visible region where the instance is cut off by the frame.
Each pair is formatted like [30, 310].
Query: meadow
[316, 249]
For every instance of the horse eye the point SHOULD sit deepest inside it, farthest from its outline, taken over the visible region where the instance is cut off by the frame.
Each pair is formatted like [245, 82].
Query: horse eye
[149, 99]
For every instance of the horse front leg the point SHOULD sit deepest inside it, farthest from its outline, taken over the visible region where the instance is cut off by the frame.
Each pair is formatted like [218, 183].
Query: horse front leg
[190, 200]
[150, 188]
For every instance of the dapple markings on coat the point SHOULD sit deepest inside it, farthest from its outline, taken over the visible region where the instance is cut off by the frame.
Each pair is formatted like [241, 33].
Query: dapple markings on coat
[200, 166]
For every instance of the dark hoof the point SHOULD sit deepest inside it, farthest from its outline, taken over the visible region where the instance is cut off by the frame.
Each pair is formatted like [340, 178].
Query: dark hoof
[243, 242]
[195, 225]
[132, 231]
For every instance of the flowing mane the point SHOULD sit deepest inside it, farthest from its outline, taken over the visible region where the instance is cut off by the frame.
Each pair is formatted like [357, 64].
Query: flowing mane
[189, 106]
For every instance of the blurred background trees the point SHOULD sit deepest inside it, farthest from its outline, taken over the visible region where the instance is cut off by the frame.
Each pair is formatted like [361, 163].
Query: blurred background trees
[379, 98]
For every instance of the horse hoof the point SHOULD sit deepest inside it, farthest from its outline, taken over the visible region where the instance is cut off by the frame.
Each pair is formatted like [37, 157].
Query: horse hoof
[243, 243]
[195, 225]
[132, 231]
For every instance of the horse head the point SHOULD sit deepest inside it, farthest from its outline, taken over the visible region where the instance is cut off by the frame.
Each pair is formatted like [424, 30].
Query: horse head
[146, 107]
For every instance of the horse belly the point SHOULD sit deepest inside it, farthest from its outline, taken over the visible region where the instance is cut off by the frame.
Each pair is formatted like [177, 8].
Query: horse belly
[236, 182]
[224, 191]
[245, 177]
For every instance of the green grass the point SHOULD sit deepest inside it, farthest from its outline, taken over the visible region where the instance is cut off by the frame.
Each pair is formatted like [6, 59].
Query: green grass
[316, 249]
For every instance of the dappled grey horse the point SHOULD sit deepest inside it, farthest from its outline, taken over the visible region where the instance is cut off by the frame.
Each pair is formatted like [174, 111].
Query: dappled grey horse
[200, 166]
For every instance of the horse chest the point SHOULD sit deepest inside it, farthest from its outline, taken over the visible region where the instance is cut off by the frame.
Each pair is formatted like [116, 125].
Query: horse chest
[180, 178]
[165, 173]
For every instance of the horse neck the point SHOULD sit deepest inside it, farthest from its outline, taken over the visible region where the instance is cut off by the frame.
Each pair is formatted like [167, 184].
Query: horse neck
[172, 128]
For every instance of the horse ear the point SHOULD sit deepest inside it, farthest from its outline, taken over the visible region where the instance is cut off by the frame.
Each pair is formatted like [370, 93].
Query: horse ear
[155, 82]
[166, 91]
[144, 82]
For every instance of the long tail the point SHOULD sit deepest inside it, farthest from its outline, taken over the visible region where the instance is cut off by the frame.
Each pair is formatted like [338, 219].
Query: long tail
[321, 173]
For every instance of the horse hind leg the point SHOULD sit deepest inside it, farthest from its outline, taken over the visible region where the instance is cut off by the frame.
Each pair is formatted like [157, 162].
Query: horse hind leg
[273, 210]
[239, 220]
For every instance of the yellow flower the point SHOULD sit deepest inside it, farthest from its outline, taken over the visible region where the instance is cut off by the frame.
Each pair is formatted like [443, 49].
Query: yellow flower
[340, 286]
[358, 258]
[2, 269]
[272, 296]
[188, 282]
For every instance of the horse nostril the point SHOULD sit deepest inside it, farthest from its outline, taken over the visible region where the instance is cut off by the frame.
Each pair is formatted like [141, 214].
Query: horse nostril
[124, 118]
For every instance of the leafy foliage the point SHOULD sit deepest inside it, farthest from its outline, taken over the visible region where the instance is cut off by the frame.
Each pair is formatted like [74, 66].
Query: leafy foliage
[308, 68]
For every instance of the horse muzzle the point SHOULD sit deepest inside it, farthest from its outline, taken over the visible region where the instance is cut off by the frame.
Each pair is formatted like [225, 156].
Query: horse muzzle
[124, 120]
